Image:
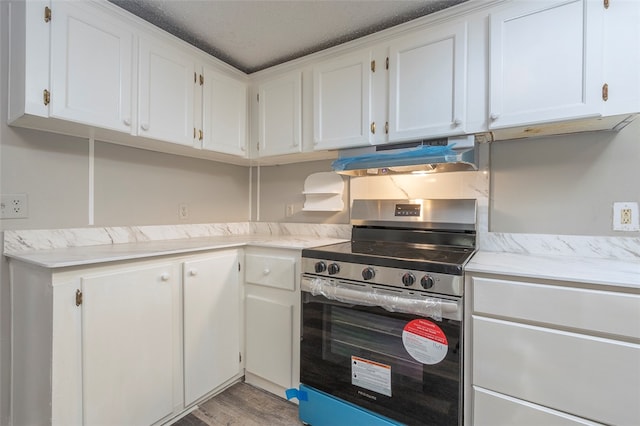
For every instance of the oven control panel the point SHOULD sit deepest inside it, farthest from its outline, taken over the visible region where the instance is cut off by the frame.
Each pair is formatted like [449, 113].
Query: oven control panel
[394, 277]
[405, 210]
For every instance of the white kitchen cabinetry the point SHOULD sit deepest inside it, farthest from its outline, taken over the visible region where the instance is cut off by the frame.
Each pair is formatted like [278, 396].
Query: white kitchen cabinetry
[128, 344]
[212, 310]
[280, 115]
[545, 62]
[556, 353]
[272, 309]
[224, 112]
[423, 94]
[91, 67]
[28, 61]
[166, 92]
[135, 342]
[427, 83]
[342, 102]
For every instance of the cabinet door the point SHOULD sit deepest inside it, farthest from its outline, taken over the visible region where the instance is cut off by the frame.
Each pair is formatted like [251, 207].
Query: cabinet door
[128, 345]
[341, 102]
[91, 67]
[427, 90]
[545, 62]
[166, 86]
[224, 113]
[211, 323]
[272, 319]
[551, 367]
[269, 331]
[280, 115]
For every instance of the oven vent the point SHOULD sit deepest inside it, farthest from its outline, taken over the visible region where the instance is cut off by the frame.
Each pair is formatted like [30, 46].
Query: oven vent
[428, 156]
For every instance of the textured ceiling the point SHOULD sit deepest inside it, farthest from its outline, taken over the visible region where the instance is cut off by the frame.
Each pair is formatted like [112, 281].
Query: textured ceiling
[252, 35]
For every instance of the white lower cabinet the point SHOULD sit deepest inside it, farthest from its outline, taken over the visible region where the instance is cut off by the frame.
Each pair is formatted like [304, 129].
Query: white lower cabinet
[546, 352]
[128, 344]
[212, 311]
[272, 312]
[135, 342]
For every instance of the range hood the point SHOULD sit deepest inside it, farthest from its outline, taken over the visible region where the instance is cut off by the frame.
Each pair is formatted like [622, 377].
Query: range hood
[452, 154]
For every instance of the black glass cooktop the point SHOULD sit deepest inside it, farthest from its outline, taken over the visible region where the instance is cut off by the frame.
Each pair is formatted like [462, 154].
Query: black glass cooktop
[420, 257]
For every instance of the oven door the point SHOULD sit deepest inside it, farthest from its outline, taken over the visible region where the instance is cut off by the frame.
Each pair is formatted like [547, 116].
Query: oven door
[401, 365]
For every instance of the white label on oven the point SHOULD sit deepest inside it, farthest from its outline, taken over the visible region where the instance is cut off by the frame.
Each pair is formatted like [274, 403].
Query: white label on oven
[425, 341]
[371, 375]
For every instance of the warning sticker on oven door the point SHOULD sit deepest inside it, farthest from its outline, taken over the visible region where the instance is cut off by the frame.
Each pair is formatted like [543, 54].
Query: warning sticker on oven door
[425, 341]
[371, 375]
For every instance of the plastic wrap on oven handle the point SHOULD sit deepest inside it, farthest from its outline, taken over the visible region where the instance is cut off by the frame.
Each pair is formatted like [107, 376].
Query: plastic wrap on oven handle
[419, 305]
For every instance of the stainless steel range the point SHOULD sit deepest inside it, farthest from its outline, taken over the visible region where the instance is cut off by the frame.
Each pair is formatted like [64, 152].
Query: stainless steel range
[382, 315]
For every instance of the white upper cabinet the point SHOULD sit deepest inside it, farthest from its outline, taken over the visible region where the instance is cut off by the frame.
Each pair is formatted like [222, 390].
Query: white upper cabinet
[341, 102]
[224, 113]
[427, 90]
[545, 62]
[166, 92]
[280, 115]
[91, 67]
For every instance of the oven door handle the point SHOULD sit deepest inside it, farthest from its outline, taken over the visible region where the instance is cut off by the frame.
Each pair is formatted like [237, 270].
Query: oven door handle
[419, 305]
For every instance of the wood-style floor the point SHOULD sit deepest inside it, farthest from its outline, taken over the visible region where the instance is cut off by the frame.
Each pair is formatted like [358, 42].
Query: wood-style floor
[243, 405]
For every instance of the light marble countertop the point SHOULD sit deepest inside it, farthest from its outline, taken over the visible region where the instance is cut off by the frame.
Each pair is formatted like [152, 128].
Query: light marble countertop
[88, 255]
[611, 272]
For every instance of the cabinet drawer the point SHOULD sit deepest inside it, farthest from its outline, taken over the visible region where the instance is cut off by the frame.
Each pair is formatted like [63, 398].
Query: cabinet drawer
[271, 271]
[494, 409]
[586, 376]
[600, 311]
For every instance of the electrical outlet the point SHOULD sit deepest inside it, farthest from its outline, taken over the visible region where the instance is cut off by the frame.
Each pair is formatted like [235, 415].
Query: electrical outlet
[183, 211]
[289, 210]
[14, 206]
[625, 216]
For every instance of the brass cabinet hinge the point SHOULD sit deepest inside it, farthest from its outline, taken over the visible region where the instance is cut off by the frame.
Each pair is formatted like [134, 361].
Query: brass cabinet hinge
[46, 97]
[194, 132]
[373, 66]
[195, 77]
[200, 135]
[387, 63]
[47, 14]
[201, 79]
[78, 297]
[257, 97]
[605, 92]
[386, 128]
[606, 4]
[258, 146]
[239, 357]
[238, 266]
[373, 128]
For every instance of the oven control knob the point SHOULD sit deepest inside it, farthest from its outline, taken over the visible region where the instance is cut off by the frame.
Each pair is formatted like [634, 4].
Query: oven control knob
[333, 268]
[368, 273]
[408, 279]
[426, 282]
[320, 267]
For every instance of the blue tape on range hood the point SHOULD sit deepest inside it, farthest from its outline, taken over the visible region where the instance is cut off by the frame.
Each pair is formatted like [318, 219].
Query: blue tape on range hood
[422, 158]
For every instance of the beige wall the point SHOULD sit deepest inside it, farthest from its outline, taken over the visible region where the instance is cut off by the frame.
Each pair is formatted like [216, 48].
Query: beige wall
[137, 187]
[564, 185]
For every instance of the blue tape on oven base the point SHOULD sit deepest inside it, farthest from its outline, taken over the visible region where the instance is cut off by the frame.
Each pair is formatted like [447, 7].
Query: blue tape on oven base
[317, 408]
